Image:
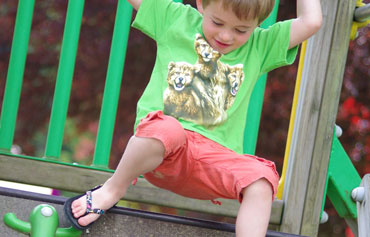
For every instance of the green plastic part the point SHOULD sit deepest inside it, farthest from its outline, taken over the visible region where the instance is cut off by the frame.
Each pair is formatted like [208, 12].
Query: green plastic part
[256, 101]
[43, 222]
[11, 220]
[68, 232]
[342, 179]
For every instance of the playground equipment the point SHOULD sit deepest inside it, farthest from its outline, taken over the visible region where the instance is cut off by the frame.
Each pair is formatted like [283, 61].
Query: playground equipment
[315, 162]
[43, 223]
[118, 221]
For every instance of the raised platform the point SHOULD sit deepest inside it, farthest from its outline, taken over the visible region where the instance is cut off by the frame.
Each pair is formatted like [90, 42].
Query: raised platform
[78, 179]
[118, 221]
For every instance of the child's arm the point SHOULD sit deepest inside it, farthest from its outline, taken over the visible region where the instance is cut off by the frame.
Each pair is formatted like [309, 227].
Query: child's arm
[307, 23]
[135, 3]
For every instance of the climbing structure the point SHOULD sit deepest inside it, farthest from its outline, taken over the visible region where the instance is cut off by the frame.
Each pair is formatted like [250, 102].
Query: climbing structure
[314, 152]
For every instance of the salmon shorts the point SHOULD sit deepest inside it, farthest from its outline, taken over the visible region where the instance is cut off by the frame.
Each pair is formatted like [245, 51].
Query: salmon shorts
[197, 167]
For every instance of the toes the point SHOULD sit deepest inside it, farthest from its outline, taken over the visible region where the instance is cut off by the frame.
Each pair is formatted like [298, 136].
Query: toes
[84, 221]
[76, 203]
[79, 207]
[78, 212]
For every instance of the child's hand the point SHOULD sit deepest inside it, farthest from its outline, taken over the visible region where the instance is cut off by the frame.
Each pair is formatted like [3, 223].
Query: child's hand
[135, 3]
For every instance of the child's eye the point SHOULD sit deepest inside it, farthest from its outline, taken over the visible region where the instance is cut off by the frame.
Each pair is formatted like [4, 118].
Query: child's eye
[240, 31]
[217, 23]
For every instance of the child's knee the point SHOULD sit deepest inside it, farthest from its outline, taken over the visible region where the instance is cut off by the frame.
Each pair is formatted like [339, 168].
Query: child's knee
[150, 143]
[175, 133]
[260, 188]
[164, 128]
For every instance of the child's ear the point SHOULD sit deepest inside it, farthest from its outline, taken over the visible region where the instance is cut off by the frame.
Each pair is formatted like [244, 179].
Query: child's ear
[199, 6]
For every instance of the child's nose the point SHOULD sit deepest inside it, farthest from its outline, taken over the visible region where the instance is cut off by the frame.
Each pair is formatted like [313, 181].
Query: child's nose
[225, 36]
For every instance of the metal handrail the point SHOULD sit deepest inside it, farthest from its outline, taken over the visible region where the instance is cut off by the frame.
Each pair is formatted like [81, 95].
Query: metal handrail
[362, 14]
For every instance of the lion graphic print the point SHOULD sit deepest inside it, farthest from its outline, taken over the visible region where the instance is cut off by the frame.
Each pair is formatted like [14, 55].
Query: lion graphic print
[204, 91]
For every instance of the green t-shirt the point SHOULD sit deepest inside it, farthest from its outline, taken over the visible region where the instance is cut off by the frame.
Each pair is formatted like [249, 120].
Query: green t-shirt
[207, 92]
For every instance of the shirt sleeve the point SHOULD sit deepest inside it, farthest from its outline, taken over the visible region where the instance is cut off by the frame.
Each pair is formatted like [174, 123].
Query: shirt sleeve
[155, 16]
[273, 46]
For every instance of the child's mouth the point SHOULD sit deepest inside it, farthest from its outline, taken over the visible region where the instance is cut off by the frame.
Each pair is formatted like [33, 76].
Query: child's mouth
[221, 45]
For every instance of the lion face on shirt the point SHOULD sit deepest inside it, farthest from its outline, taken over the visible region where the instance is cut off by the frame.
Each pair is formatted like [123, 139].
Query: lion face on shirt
[207, 58]
[235, 77]
[180, 75]
[205, 51]
[180, 98]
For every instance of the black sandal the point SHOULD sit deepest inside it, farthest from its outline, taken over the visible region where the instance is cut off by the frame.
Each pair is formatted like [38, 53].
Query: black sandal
[68, 210]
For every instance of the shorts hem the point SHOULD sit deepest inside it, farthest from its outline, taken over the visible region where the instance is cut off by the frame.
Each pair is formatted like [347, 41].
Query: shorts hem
[243, 183]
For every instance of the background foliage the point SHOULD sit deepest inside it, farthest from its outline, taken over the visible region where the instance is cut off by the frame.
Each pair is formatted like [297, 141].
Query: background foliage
[89, 79]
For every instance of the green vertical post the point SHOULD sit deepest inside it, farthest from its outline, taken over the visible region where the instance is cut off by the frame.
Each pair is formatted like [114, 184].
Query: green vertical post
[256, 101]
[112, 84]
[16, 67]
[64, 78]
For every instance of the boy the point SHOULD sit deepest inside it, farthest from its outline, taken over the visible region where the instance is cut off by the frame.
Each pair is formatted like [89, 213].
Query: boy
[190, 119]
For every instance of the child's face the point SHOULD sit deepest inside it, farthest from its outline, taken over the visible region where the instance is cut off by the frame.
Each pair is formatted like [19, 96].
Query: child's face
[223, 30]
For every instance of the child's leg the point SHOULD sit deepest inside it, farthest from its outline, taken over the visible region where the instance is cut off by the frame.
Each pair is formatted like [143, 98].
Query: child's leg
[141, 156]
[254, 213]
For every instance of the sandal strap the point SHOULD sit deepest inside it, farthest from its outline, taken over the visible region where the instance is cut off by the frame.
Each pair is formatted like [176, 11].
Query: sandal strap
[89, 208]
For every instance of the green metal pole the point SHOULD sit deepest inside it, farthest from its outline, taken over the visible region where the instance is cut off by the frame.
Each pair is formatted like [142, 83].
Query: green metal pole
[64, 78]
[256, 101]
[113, 84]
[16, 67]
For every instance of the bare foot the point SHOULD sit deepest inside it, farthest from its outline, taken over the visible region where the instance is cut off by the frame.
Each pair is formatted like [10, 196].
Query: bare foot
[100, 199]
